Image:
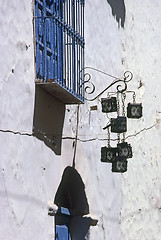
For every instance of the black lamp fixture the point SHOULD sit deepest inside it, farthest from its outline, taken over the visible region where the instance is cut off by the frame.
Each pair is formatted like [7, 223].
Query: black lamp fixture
[108, 154]
[124, 150]
[109, 104]
[119, 165]
[118, 125]
[134, 110]
[116, 155]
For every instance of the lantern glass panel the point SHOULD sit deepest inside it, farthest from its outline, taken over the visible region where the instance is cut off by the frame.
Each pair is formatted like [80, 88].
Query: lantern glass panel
[134, 110]
[109, 104]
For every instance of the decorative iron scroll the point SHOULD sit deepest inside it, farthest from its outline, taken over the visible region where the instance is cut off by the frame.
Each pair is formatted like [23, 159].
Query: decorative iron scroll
[120, 82]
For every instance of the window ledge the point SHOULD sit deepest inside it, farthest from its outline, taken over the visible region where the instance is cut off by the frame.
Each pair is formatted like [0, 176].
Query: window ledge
[59, 92]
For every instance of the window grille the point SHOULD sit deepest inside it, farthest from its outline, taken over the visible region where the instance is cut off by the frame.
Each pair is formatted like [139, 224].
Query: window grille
[59, 37]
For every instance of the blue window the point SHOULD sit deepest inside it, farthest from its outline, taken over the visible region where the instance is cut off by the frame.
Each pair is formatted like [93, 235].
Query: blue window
[62, 233]
[59, 38]
[62, 224]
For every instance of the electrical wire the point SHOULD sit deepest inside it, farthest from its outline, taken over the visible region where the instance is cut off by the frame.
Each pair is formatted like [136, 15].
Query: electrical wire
[76, 137]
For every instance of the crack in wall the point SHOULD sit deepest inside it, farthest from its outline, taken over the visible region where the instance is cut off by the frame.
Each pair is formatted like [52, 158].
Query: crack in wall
[73, 138]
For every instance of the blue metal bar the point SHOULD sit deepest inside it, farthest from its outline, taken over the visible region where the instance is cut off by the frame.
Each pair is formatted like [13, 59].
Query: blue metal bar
[52, 42]
[83, 46]
[70, 56]
[73, 47]
[81, 63]
[61, 41]
[36, 20]
[77, 70]
[39, 2]
[57, 40]
[44, 41]
[49, 32]
[40, 44]
[78, 17]
[67, 45]
[79, 74]
[36, 34]
[38, 23]
[60, 29]
[64, 46]
[60, 44]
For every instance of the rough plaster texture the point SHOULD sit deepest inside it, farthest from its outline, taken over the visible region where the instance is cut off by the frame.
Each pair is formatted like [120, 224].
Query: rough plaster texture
[30, 172]
[141, 190]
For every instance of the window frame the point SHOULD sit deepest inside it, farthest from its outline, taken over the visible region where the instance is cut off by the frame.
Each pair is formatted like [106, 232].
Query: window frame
[63, 31]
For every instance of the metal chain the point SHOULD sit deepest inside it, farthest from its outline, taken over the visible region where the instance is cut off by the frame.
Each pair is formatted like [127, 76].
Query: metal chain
[118, 138]
[118, 105]
[134, 97]
[123, 137]
[108, 137]
[123, 104]
[123, 112]
[118, 113]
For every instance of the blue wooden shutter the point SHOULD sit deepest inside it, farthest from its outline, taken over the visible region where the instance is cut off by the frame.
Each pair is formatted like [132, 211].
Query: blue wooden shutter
[47, 31]
[39, 39]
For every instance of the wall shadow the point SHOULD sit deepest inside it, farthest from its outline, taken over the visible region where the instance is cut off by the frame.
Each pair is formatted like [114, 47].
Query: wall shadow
[71, 194]
[118, 10]
[48, 119]
[79, 227]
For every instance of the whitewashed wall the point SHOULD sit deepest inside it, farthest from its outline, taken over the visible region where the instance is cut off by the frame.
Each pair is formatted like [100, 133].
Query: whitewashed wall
[103, 188]
[141, 189]
[30, 172]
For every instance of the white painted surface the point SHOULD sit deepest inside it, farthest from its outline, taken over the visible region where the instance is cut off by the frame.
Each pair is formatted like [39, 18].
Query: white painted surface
[30, 172]
[140, 217]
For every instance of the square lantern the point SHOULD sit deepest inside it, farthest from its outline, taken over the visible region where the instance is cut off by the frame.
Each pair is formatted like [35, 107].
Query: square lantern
[134, 110]
[124, 150]
[108, 154]
[109, 105]
[119, 165]
[118, 125]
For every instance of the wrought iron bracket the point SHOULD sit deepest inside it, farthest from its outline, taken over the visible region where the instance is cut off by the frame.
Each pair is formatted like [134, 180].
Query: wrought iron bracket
[121, 83]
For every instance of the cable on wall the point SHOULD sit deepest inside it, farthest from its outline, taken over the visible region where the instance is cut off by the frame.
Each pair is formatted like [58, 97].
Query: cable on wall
[76, 137]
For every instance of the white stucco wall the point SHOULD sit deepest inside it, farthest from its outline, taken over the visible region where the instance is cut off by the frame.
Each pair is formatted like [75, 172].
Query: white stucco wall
[30, 172]
[140, 217]
[104, 52]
